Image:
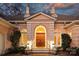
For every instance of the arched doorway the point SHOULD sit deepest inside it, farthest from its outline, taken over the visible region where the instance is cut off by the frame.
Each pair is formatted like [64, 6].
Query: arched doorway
[40, 36]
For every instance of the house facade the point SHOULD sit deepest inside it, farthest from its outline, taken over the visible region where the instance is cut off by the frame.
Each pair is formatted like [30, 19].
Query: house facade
[41, 31]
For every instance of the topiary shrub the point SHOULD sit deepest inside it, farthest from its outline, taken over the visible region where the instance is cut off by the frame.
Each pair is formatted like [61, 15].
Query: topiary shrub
[66, 40]
[14, 38]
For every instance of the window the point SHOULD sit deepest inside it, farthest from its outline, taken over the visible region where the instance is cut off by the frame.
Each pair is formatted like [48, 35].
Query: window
[23, 38]
[57, 39]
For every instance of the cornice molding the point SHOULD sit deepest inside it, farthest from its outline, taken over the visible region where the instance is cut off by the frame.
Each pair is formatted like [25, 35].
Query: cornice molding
[76, 22]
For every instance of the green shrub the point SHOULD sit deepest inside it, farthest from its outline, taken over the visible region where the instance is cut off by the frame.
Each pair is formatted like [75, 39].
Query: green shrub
[14, 38]
[14, 50]
[73, 51]
[78, 51]
[66, 40]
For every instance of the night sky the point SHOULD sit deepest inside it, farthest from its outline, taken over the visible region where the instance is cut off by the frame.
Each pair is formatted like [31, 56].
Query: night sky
[61, 8]
[71, 9]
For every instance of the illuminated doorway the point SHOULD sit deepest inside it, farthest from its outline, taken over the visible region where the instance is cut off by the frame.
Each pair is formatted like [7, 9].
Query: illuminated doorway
[40, 36]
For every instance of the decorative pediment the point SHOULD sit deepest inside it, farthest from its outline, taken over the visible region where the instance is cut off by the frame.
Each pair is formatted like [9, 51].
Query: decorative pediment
[40, 17]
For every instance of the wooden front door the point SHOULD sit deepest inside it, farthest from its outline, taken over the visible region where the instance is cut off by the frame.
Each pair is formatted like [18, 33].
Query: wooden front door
[40, 39]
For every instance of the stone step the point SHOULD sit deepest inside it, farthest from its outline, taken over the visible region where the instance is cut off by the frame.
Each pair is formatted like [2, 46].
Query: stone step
[40, 54]
[40, 49]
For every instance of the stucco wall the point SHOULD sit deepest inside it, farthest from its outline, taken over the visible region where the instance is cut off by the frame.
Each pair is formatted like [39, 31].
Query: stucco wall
[74, 30]
[5, 30]
[59, 27]
[5, 43]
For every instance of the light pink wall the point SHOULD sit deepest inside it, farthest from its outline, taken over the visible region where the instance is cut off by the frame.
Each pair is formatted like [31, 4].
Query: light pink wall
[59, 28]
[75, 35]
[5, 32]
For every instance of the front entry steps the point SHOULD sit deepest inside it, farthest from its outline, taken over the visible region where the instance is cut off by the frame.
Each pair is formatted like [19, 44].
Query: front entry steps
[40, 52]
